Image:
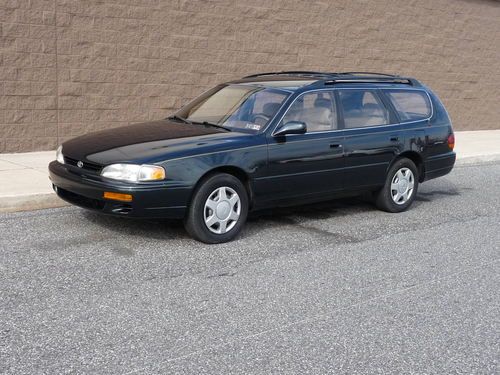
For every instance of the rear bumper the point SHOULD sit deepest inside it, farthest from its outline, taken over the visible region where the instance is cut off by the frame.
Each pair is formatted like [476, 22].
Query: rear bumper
[439, 165]
[148, 200]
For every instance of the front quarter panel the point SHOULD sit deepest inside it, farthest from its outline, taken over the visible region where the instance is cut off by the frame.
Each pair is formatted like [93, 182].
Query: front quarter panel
[185, 172]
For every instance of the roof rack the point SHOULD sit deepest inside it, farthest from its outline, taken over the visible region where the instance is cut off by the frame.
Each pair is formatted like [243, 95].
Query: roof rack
[346, 77]
[395, 79]
[293, 72]
[370, 74]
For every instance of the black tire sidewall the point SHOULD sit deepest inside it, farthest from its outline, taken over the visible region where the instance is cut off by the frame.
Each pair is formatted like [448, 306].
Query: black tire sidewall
[384, 199]
[195, 223]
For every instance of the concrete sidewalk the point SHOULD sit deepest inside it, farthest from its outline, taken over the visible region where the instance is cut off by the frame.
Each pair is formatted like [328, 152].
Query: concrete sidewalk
[475, 146]
[24, 182]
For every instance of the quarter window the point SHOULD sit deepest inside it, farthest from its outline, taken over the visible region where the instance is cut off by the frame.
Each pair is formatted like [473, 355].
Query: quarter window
[362, 108]
[316, 110]
[410, 105]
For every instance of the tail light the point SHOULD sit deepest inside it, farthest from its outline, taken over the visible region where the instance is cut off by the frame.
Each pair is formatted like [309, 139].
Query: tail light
[451, 141]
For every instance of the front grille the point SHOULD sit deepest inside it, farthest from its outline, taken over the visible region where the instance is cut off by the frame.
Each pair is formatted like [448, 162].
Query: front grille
[93, 167]
[80, 200]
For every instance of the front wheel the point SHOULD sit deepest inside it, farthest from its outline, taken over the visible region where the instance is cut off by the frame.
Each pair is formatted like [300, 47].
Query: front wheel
[400, 187]
[218, 209]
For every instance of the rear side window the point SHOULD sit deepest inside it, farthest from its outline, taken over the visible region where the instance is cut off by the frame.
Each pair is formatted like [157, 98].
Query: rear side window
[410, 105]
[362, 108]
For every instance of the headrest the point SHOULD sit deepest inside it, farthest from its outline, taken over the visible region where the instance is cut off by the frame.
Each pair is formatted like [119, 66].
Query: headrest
[318, 116]
[323, 103]
[270, 109]
[372, 108]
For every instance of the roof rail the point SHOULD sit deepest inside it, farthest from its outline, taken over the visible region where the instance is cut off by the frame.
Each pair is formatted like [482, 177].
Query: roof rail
[370, 74]
[297, 72]
[395, 79]
[346, 77]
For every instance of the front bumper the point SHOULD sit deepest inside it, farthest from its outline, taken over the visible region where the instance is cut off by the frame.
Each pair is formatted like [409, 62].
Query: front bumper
[150, 200]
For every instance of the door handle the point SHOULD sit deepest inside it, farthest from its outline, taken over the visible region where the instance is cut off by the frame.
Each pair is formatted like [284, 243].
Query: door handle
[335, 145]
[394, 139]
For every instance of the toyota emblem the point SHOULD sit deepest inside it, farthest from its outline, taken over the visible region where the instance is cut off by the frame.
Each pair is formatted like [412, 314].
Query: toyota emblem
[79, 164]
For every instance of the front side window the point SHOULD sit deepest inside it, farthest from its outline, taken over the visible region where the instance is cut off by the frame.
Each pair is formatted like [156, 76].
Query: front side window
[235, 106]
[362, 108]
[315, 109]
[410, 104]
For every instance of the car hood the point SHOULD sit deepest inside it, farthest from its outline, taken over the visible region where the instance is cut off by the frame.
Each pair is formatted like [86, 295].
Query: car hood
[148, 142]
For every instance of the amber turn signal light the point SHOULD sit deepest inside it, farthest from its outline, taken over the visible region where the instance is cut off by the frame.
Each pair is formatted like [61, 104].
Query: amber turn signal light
[117, 196]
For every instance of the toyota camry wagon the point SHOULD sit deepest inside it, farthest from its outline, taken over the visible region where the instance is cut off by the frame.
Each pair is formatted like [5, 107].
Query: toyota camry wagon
[267, 140]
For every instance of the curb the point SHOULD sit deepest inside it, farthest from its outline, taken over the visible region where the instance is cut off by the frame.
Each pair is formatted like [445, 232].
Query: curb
[30, 202]
[470, 160]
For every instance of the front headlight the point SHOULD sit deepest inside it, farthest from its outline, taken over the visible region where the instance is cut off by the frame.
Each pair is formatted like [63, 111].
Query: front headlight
[134, 172]
[59, 155]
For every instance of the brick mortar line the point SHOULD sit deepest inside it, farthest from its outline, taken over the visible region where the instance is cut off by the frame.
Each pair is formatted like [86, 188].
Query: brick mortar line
[57, 72]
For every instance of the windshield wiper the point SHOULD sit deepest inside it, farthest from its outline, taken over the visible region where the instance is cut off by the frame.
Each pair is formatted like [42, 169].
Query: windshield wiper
[175, 117]
[206, 123]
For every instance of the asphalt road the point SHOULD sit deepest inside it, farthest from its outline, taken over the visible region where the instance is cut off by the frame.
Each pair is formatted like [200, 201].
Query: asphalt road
[329, 288]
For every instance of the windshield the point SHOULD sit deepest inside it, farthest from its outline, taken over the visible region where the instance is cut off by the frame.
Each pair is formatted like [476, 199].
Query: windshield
[244, 107]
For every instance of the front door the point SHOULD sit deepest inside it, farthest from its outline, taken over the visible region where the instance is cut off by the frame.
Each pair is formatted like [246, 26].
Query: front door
[310, 164]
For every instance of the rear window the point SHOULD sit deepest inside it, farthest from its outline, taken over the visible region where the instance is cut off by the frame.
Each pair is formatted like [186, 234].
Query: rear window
[362, 108]
[410, 105]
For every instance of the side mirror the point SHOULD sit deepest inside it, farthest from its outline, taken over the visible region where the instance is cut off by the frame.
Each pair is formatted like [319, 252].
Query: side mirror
[291, 127]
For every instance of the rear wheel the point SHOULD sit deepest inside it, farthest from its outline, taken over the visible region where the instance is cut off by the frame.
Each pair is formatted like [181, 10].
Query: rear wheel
[400, 187]
[218, 209]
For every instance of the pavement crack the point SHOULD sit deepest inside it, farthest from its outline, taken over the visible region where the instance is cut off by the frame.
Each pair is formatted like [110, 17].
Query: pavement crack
[222, 274]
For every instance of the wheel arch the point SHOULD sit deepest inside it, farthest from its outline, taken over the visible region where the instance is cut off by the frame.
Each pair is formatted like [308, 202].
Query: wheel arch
[416, 158]
[237, 172]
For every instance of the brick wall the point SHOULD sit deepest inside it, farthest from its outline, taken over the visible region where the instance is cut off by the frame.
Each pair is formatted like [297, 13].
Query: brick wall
[68, 67]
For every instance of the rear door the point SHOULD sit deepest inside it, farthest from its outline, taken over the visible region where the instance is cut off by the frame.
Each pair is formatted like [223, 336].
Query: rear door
[372, 137]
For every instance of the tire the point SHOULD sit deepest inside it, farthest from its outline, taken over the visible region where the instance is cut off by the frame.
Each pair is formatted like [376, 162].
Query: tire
[400, 188]
[218, 209]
